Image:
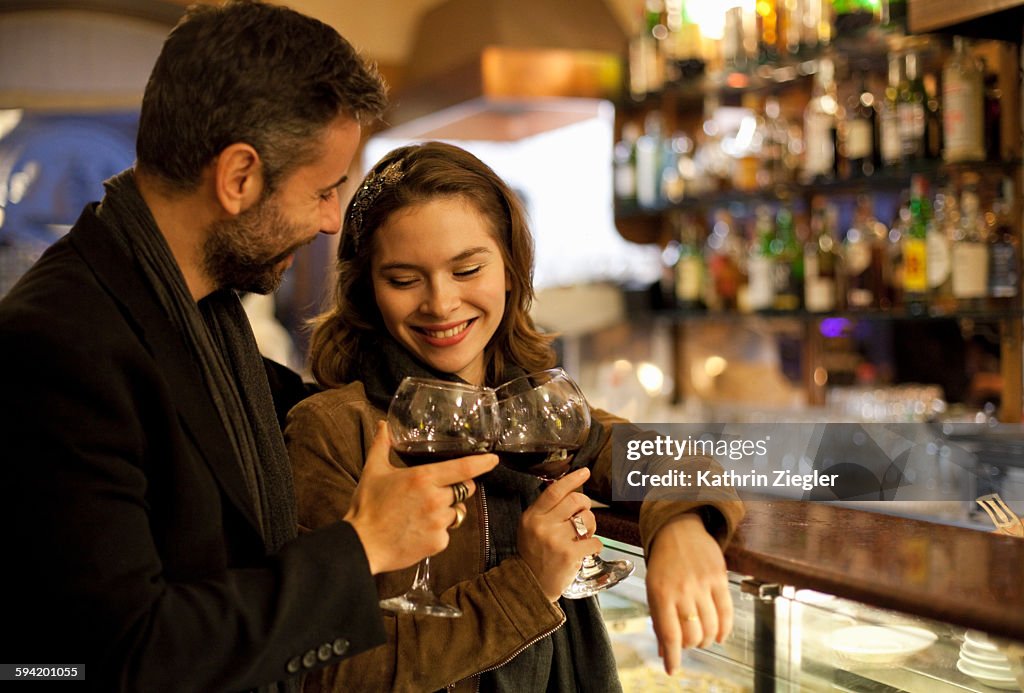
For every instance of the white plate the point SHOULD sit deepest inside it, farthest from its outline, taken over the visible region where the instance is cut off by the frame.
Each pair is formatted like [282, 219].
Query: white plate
[980, 641]
[987, 667]
[880, 644]
[986, 656]
[1002, 683]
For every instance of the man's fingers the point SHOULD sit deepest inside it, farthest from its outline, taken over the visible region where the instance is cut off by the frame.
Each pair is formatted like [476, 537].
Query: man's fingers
[377, 457]
[558, 490]
[462, 469]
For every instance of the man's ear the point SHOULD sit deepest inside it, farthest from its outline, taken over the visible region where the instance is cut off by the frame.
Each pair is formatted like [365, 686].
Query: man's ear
[238, 177]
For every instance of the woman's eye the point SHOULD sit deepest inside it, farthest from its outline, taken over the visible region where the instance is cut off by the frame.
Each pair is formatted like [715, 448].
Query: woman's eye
[468, 271]
[400, 282]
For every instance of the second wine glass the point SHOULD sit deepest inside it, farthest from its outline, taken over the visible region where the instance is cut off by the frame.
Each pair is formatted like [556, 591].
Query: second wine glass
[432, 421]
[543, 420]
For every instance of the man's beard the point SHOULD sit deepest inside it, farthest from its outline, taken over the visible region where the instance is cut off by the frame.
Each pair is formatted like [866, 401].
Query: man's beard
[235, 251]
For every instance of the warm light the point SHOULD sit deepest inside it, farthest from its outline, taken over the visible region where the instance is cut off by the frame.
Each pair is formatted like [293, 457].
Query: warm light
[820, 376]
[651, 378]
[714, 366]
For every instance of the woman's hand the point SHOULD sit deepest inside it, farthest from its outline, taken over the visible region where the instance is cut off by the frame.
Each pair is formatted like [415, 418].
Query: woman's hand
[547, 540]
[687, 589]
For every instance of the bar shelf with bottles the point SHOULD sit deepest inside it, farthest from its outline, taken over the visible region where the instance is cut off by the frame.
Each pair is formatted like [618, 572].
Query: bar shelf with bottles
[862, 174]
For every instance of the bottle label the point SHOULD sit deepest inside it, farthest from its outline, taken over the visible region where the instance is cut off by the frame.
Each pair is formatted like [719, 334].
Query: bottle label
[891, 147]
[962, 124]
[820, 150]
[938, 264]
[1003, 270]
[688, 279]
[911, 117]
[858, 139]
[761, 285]
[857, 257]
[970, 270]
[915, 258]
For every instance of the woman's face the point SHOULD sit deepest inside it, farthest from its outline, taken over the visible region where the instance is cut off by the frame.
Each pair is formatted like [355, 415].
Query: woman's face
[439, 281]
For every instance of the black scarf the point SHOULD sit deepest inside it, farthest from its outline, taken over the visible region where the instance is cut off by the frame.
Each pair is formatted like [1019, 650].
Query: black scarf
[576, 657]
[218, 333]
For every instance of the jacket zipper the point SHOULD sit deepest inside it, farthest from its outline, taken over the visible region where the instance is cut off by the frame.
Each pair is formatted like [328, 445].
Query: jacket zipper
[487, 549]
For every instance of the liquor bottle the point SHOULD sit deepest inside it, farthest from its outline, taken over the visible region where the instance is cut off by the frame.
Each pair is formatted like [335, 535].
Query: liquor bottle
[821, 259]
[689, 266]
[820, 118]
[853, 16]
[1003, 253]
[788, 262]
[963, 102]
[749, 146]
[646, 66]
[767, 21]
[970, 250]
[933, 138]
[864, 261]
[648, 161]
[939, 251]
[894, 15]
[911, 111]
[725, 252]
[915, 249]
[993, 116]
[899, 229]
[624, 172]
[734, 50]
[684, 59]
[860, 143]
[890, 142]
[760, 266]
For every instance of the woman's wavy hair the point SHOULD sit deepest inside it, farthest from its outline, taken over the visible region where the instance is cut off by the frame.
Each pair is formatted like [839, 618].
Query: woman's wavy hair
[406, 176]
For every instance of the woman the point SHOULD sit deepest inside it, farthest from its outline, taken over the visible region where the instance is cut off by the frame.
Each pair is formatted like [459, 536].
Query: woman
[435, 270]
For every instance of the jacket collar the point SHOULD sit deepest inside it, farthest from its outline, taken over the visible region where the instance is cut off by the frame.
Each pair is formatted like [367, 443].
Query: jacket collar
[117, 272]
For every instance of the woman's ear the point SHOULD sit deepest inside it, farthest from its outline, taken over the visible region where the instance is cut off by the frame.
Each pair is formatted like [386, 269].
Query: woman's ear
[238, 177]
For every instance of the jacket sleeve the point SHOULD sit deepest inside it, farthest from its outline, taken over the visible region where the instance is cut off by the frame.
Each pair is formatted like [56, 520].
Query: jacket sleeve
[720, 508]
[504, 609]
[121, 536]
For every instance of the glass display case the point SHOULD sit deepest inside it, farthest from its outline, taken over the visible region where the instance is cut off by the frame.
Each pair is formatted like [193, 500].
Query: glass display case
[788, 639]
[829, 598]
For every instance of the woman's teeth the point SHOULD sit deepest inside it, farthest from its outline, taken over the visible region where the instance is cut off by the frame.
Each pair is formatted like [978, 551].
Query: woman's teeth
[451, 332]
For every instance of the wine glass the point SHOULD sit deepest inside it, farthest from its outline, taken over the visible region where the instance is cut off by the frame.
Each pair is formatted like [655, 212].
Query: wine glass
[430, 421]
[543, 420]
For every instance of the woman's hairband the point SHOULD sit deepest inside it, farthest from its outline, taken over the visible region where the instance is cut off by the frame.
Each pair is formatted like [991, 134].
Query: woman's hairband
[367, 195]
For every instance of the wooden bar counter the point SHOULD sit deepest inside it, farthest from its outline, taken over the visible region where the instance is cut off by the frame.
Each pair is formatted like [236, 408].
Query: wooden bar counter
[961, 576]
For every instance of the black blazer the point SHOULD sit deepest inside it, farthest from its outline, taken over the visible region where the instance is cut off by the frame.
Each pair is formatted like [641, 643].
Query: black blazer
[129, 539]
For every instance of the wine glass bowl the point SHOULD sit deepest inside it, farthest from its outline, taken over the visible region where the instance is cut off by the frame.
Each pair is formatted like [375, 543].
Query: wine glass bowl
[431, 421]
[543, 421]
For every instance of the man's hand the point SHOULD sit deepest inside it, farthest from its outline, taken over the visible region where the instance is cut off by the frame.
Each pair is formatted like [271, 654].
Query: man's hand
[403, 515]
[547, 540]
[687, 589]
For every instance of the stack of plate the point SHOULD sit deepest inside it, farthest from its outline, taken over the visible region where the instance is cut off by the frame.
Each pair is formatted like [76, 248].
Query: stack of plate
[981, 659]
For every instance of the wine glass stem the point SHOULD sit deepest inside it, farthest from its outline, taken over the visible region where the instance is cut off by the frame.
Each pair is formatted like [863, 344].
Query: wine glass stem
[421, 583]
[591, 566]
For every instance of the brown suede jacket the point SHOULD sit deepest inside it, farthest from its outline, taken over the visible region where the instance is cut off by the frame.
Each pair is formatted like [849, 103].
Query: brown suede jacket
[504, 609]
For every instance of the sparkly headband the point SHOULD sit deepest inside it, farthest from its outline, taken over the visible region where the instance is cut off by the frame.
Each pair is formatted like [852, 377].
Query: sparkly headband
[367, 195]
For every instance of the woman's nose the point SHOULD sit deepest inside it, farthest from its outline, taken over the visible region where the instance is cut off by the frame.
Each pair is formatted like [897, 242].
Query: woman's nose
[442, 299]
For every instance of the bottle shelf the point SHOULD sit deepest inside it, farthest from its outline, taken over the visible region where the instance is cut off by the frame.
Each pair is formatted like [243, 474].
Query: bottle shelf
[995, 315]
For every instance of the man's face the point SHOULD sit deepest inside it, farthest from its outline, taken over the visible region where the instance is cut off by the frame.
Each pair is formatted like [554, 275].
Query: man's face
[251, 251]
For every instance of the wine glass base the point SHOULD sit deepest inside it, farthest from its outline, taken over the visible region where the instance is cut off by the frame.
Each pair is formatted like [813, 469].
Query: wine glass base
[589, 582]
[422, 603]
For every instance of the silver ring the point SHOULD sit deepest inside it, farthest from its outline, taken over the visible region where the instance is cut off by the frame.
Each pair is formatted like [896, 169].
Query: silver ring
[580, 526]
[460, 515]
[460, 491]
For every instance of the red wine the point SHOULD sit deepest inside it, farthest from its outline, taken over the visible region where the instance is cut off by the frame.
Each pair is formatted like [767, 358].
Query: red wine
[543, 460]
[426, 452]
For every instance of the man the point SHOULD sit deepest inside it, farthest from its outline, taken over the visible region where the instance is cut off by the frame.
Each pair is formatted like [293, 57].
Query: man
[149, 517]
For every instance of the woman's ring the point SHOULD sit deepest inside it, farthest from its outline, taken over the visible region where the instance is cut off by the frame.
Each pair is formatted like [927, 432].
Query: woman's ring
[692, 618]
[460, 515]
[581, 528]
[460, 491]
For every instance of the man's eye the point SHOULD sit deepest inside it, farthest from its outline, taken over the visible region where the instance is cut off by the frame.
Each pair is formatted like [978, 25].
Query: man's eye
[327, 196]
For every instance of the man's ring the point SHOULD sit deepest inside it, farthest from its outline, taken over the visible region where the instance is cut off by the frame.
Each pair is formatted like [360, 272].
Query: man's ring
[581, 528]
[460, 491]
[460, 515]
